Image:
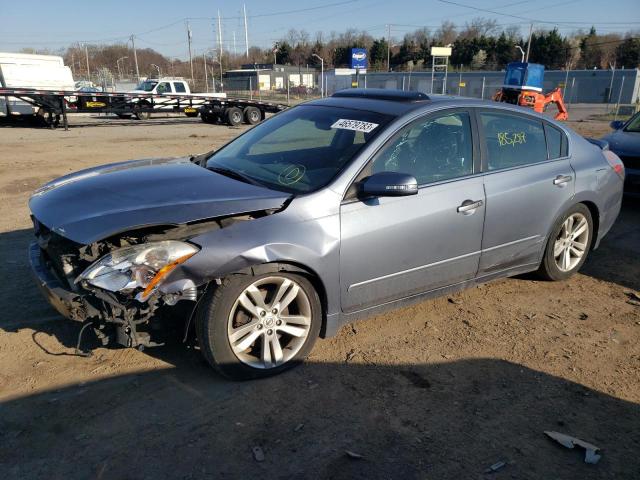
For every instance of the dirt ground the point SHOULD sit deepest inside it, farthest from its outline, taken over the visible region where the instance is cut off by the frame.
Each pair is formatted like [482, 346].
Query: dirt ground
[441, 390]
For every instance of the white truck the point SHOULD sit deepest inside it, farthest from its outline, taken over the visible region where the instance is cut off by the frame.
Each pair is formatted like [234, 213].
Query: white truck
[164, 88]
[21, 70]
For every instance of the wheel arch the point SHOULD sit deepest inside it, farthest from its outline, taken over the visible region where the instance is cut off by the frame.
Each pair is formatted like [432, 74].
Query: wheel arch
[293, 267]
[595, 217]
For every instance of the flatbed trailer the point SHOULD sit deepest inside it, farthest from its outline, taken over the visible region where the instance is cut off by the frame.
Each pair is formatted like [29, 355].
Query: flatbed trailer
[53, 106]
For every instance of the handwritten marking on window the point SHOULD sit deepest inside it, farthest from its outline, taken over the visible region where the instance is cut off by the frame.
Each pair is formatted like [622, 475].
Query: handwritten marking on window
[512, 139]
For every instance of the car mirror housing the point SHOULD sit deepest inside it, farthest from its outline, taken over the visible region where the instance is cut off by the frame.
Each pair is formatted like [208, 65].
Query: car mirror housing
[389, 184]
[617, 124]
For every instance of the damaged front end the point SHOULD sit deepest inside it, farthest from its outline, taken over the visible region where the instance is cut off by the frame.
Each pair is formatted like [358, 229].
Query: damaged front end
[123, 285]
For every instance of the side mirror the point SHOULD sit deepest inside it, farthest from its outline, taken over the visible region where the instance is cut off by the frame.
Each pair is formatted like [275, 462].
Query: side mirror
[389, 184]
[617, 124]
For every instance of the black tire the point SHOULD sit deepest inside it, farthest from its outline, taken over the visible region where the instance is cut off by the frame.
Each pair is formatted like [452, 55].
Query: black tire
[212, 320]
[252, 115]
[234, 116]
[142, 115]
[209, 117]
[549, 269]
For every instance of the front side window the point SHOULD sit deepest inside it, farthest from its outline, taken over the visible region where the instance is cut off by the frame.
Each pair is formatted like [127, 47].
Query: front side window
[433, 149]
[634, 124]
[301, 149]
[512, 140]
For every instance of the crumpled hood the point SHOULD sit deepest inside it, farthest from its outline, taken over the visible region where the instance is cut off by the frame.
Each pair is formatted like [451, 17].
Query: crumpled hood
[97, 203]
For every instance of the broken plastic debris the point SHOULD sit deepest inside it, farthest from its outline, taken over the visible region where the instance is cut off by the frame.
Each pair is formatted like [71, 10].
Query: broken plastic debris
[590, 456]
[258, 454]
[495, 467]
[353, 455]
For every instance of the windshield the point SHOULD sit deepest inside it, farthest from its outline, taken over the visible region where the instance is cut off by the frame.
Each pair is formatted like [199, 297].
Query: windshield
[300, 150]
[634, 124]
[147, 85]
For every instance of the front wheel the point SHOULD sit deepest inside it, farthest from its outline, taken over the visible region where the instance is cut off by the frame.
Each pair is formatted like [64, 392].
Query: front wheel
[252, 327]
[568, 244]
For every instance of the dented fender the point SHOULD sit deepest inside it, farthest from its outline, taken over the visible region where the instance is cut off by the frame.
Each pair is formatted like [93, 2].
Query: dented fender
[297, 235]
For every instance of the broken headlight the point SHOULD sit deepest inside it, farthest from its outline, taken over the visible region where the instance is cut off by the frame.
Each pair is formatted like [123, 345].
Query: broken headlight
[138, 267]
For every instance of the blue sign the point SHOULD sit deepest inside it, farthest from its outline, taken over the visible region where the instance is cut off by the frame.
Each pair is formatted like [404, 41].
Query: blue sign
[358, 58]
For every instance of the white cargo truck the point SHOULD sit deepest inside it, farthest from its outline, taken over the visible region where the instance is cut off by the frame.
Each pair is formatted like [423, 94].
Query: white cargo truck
[41, 72]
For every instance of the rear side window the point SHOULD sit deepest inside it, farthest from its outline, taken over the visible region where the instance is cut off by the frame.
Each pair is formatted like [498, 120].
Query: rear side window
[179, 86]
[556, 142]
[513, 141]
[164, 87]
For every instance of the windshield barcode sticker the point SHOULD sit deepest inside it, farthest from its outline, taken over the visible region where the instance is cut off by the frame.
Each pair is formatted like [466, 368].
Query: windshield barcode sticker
[356, 125]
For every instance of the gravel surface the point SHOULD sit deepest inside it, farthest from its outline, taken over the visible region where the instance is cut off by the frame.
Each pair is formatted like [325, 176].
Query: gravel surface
[445, 389]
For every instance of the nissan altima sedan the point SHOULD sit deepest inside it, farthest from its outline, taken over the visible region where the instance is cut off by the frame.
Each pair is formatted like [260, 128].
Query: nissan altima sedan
[330, 211]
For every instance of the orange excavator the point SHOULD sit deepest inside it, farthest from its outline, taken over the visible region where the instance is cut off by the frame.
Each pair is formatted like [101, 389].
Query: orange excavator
[523, 86]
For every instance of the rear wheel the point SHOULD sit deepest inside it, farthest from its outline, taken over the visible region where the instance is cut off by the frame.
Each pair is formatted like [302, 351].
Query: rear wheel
[234, 116]
[568, 244]
[252, 115]
[257, 326]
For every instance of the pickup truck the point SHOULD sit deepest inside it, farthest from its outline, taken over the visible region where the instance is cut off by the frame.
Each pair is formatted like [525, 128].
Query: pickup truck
[169, 87]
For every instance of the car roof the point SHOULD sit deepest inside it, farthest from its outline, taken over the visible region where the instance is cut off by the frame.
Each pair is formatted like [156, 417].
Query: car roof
[398, 102]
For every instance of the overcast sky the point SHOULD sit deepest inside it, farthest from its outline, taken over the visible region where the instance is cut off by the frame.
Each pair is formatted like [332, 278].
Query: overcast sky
[161, 24]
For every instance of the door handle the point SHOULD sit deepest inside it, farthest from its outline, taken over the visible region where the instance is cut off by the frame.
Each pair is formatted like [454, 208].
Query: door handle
[468, 206]
[562, 180]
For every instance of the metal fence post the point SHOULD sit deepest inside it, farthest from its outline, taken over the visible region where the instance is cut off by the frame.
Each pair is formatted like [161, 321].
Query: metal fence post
[619, 98]
[573, 83]
[287, 89]
[482, 94]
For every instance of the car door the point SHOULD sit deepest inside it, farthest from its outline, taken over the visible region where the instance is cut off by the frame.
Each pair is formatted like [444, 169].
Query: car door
[395, 247]
[526, 183]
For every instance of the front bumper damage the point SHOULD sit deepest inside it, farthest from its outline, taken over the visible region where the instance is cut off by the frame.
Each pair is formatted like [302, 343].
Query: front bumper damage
[69, 304]
[127, 323]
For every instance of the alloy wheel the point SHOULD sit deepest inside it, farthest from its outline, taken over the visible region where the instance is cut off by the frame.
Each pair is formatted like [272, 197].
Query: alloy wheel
[571, 242]
[269, 322]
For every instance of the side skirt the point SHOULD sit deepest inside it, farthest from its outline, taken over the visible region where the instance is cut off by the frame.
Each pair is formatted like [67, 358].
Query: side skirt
[336, 321]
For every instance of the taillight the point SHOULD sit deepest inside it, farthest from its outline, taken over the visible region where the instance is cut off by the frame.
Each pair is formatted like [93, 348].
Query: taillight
[615, 162]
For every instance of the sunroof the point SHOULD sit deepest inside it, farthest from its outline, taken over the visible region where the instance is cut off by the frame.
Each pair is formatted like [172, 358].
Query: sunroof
[382, 94]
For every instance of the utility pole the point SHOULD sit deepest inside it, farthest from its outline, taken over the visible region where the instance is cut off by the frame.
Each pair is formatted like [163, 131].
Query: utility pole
[206, 77]
[220, 33]
[322, 93]
[246, 32]
[190, 57]
[135, 57]
[86, 54]
[235, 53]
[529, 42]
[221, 51]
[388, 47]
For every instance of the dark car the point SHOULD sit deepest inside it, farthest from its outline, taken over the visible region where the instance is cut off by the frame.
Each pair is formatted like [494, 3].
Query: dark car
[327, 212]
[624, 141]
